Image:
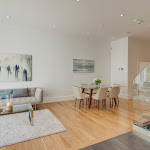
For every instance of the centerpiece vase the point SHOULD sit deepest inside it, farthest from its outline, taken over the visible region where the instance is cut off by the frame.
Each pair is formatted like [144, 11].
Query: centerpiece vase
[9, 105]
[98, 84]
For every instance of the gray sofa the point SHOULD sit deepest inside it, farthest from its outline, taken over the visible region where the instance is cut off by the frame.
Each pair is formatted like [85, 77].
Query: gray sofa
[35, 96]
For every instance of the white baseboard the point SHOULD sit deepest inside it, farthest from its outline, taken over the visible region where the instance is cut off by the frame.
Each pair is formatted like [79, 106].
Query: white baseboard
[58, 99]
[125, 96]
[71, 97]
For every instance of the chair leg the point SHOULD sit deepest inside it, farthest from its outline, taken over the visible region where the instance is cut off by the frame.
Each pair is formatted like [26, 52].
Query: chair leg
[118, 100]
[110, 102]
[75, 101]
[94, 102]
[105, 103]
[115, 100]
[98, 103]
[80, 104]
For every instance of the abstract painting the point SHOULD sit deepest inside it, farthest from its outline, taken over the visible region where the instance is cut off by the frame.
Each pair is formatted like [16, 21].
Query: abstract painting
[83, 66]
[15, 67]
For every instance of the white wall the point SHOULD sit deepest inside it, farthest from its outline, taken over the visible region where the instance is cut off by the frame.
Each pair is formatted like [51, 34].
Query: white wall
[126, 53]
[52, 59]
[119, 59]
[139, 51]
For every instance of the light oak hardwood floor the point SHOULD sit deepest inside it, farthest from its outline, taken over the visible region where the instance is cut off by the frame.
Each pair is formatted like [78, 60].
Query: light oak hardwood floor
[84, 127]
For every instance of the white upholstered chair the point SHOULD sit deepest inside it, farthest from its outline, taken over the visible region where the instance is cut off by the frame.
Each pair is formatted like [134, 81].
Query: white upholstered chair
[79, 95]
[113, 95]
[100, 95]
[85, 90]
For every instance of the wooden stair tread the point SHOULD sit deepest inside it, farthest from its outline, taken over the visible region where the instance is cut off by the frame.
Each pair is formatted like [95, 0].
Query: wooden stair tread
[142, 122]
[146, 115]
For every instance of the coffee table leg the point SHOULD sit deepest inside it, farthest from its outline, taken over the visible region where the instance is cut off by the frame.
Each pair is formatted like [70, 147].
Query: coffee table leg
[31, 117]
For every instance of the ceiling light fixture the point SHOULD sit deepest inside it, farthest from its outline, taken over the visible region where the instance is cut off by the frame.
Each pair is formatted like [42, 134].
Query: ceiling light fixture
[138, 21]
[78, 0]
[128, 32]
[54, 26]
[122, 15]
[8, 17]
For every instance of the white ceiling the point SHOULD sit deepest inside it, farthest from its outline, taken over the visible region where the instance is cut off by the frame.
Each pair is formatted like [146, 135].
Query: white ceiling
[81, 17]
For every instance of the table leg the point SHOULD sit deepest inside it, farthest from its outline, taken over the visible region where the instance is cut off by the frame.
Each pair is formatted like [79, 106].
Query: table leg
[31, 117]
[83, 90]
[90, 98]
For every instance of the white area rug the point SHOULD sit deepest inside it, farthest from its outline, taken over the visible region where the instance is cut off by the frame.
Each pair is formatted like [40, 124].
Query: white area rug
[16, 128]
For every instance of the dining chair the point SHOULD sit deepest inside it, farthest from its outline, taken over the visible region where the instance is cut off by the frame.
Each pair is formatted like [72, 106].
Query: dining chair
[85, 90]
[79, 96]
[113, 95]
[116, 84]
[100, 95]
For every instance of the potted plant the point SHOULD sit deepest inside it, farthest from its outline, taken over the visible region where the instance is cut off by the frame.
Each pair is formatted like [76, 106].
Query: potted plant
[97, 81]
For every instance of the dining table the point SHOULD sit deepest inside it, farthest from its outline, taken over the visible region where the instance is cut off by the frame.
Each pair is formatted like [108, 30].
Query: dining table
[92, 87]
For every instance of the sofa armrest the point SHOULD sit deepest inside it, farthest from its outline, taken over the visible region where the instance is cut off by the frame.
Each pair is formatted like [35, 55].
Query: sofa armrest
[39, 95]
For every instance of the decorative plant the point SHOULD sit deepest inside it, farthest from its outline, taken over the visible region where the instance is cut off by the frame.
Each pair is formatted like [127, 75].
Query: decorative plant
[97, 81]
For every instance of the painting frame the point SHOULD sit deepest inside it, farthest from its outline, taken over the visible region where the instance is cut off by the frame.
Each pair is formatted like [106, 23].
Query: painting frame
[83, 66]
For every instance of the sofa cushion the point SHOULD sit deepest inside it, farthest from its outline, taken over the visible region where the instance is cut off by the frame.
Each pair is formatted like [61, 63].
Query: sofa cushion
[20, 93]
[5, 94]
[21, 100]
[31, 92]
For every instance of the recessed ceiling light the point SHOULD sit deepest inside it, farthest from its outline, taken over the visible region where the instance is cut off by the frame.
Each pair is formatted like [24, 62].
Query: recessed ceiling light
[101, 25]
[8, 17]
[54, 26]
[128, 32]
[78, 0]
[121, 15]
